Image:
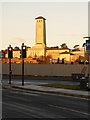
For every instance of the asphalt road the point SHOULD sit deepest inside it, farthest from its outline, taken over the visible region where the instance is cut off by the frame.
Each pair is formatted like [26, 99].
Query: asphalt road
[18, 81]
[28, 104]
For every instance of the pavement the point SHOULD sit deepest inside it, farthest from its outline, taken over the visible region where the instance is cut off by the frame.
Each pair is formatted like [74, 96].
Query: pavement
[36, 87]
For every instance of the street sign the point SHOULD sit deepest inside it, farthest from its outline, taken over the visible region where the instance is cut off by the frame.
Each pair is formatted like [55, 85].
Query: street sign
[87, 44]
[87, 52]
[87, 47]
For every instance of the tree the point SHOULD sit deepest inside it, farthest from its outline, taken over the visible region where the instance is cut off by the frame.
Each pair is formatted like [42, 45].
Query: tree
[41, 59]
[84, 45]
[64, 45]
[35, 56]
[16, 48]
[47, 60]
[76, 48]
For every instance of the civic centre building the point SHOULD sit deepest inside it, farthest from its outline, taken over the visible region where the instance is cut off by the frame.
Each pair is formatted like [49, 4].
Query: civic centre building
[40, 48]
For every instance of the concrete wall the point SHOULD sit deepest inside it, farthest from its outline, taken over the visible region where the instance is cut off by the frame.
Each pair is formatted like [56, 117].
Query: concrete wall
[46, 69]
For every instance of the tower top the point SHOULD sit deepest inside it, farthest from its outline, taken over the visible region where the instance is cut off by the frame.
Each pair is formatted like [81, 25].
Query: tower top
[40, 17]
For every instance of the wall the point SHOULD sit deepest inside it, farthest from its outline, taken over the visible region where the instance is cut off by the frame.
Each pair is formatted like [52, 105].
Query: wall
[46, 69]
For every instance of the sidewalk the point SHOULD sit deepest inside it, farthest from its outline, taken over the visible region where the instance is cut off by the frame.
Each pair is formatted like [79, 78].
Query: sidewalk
[77, 93]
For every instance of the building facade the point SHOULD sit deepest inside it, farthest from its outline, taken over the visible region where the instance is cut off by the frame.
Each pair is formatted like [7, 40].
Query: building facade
[40, 48]
[40, 39]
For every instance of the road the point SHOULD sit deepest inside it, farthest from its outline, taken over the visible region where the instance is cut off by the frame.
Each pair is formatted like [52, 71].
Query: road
[18, 81]
[28, 104]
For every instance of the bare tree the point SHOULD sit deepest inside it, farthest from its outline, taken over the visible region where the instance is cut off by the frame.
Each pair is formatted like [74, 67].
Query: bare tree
[16, 48]
[76, 48]
[64, 45]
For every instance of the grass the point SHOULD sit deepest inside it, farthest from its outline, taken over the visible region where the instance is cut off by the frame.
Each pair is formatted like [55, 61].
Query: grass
[72, 87]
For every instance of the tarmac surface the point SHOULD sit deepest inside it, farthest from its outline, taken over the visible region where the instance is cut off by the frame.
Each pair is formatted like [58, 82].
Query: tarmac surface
[34, 85]
[24, 104]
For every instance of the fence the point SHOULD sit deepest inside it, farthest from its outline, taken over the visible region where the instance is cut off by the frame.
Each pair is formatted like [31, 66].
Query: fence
[45, 69]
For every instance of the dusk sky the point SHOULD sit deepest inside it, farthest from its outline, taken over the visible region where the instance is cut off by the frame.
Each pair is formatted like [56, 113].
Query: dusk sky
[66, 22]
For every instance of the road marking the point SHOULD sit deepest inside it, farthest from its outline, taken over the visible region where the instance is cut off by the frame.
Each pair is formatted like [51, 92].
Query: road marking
[69, 109]
[20, 108]
[19, 98]
[52, 94]
[64, 96]
[24, 93]
[35, 112]
[30, 94]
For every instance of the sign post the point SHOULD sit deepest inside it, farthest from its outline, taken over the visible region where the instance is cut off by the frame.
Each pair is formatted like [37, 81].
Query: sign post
[89, 72]
[88, 53]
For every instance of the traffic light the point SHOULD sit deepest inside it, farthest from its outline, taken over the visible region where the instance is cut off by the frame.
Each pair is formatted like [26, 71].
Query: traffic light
[10, 52]
[23, 51]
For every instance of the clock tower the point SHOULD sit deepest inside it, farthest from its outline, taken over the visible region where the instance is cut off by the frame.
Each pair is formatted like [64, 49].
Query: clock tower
[40, 31]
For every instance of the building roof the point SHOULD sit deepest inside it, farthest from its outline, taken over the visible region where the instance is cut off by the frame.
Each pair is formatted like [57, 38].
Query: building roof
[54, 48]
[75, 50]
[40, 17]
[16, 50]
[67, 53]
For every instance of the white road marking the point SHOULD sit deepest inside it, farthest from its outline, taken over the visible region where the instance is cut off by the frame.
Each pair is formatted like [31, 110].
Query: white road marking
[54, 94]
[19, 98]
[24, 93]
[68, 109]
[64, 95]
[30, 94]
[35, 112]
[20, 108]
[75, 97]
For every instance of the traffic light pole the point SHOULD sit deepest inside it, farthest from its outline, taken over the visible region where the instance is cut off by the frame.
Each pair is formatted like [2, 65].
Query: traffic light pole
[23, 55]
[10, 72]
[10, 56]
[22, 71]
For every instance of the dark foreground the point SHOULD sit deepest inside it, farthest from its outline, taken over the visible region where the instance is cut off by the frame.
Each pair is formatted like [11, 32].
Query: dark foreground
[26, 104]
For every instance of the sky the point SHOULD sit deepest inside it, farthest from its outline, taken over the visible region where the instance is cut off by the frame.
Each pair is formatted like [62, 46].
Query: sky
[66, 22]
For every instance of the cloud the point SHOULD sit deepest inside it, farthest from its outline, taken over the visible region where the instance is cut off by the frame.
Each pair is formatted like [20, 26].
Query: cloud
[17, 41]
[20, 40]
